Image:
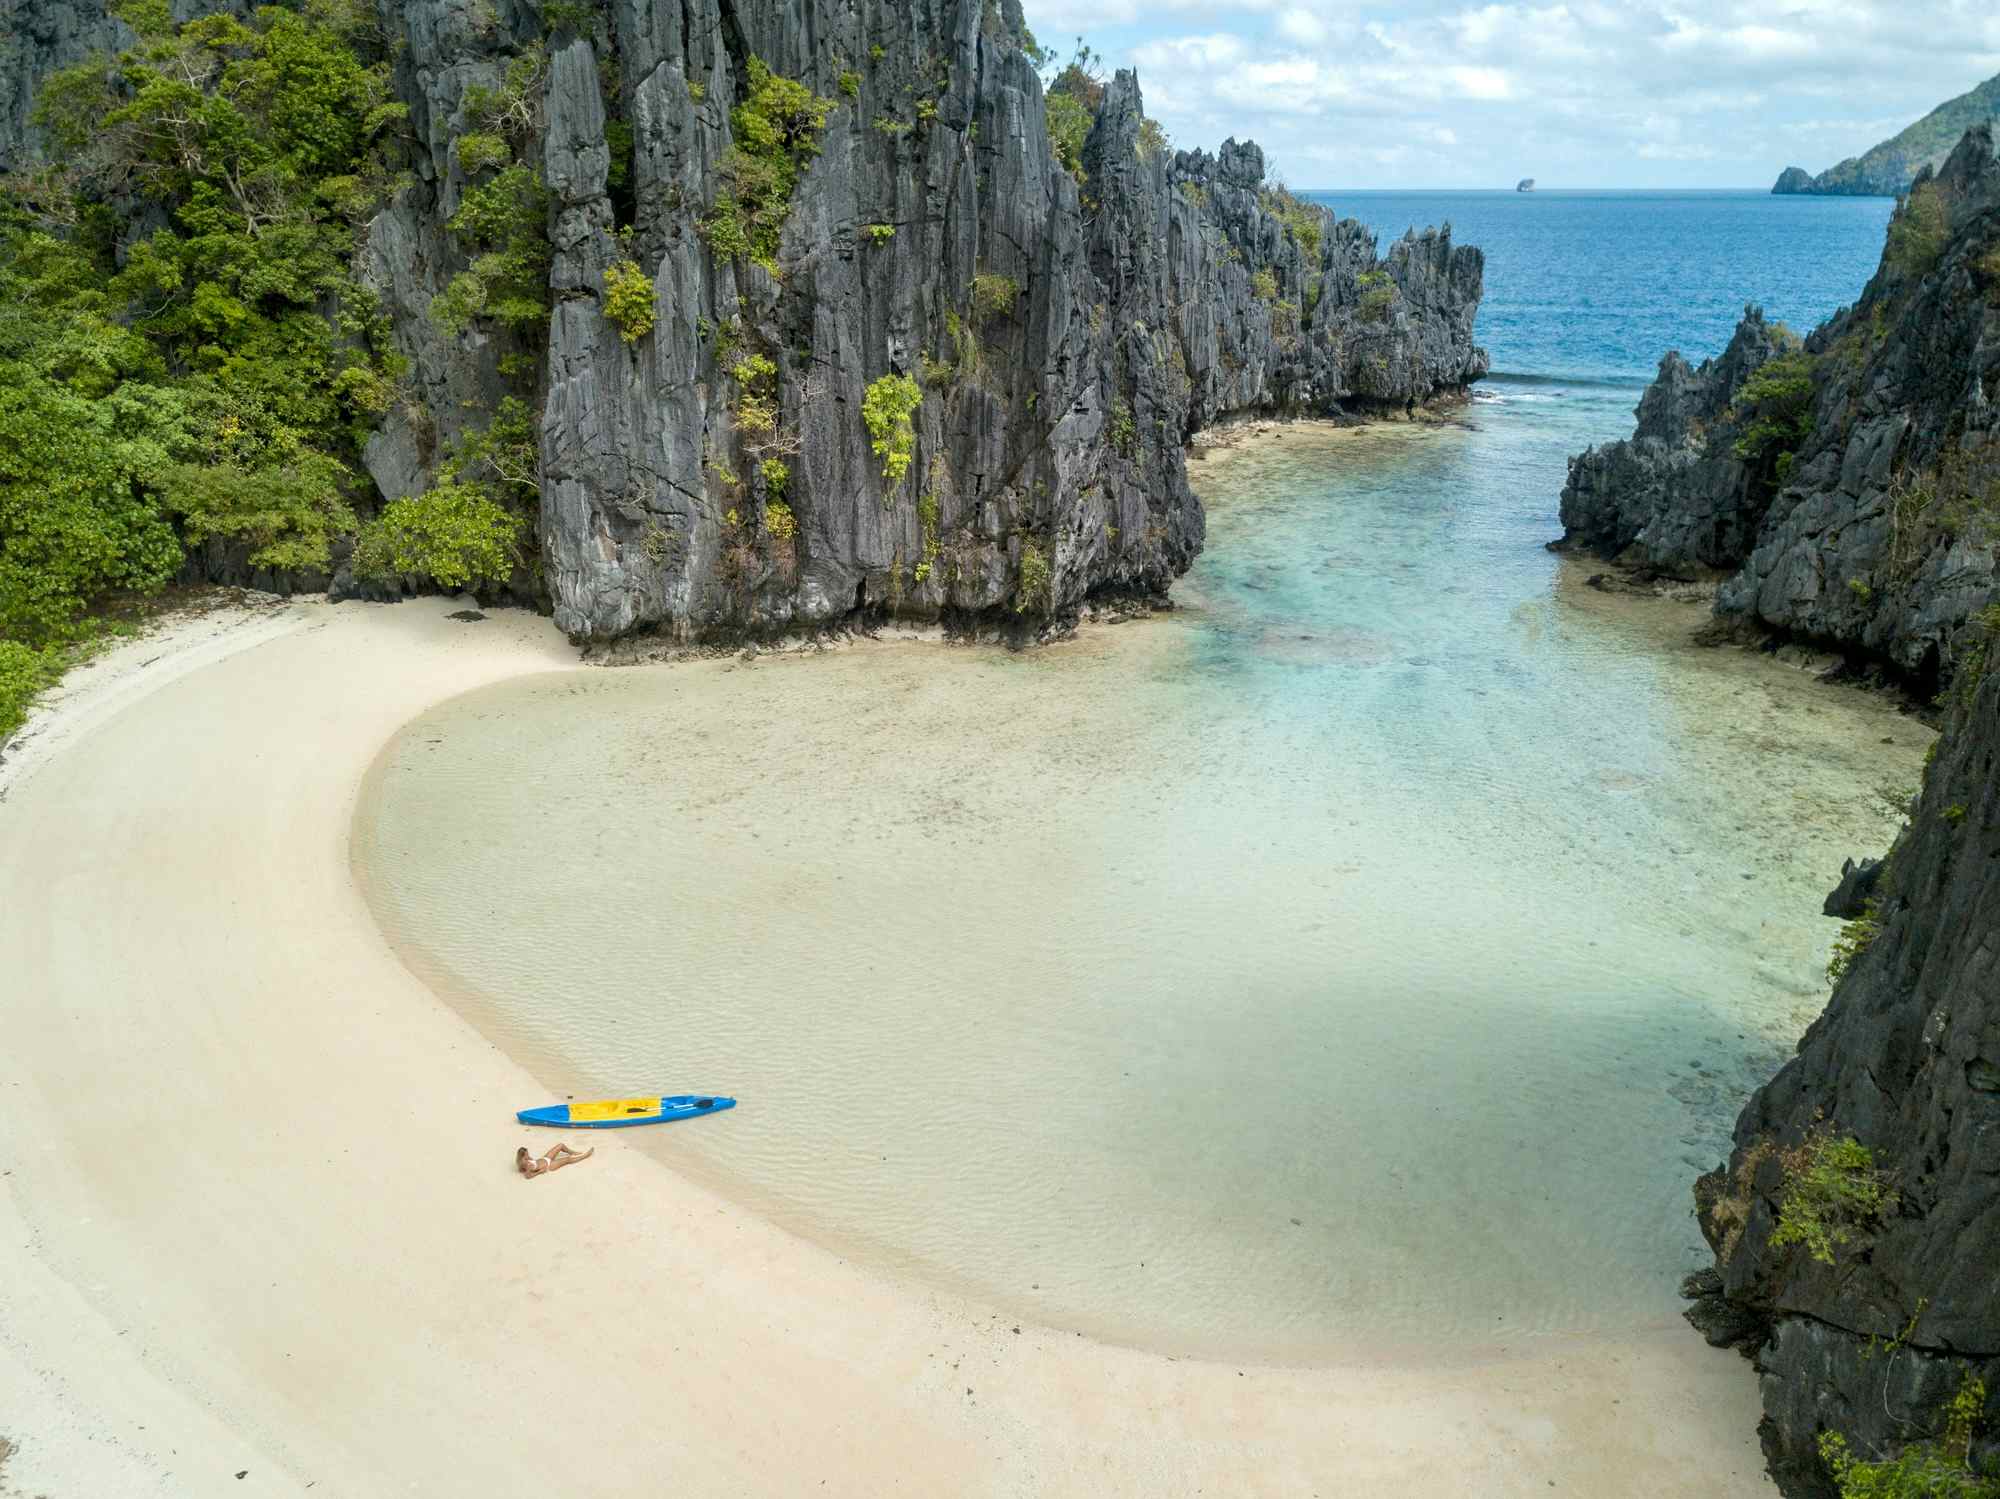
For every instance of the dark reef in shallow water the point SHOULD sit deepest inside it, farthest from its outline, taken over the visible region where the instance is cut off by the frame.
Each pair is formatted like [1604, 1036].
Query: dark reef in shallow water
[1072, 329]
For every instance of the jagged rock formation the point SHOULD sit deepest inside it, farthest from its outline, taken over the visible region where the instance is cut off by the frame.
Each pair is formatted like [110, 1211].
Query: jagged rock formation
[1879, 540]
[1878, 533]
[1122, 306]
[1674, 499]
[1890, 169]
[1906, 1059]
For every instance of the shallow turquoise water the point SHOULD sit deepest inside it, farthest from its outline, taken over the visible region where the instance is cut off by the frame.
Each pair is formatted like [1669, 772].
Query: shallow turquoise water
[1371, 953]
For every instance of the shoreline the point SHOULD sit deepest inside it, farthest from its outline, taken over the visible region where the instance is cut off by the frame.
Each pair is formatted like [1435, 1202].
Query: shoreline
[303, 1155]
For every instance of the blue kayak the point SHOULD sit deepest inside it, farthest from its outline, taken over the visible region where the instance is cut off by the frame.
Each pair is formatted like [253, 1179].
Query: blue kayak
[619, 1113]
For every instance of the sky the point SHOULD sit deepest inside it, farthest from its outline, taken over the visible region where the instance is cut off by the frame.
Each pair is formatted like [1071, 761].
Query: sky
[1585, 93]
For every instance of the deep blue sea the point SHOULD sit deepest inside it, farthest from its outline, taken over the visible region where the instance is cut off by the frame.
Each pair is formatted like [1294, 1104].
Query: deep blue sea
[1374, 950]
[1596, 286]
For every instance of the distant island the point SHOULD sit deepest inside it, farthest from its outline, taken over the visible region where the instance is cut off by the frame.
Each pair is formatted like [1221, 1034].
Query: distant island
[1888, 169]
[1525, 185]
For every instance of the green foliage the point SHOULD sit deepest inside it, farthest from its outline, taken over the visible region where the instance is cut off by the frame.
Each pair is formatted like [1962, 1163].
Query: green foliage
[1195, 193]
[1775, 408]
[1123, 430]
[1977, 647]
[454, 534]
[1378, 294]
[880, 233]
[1855, 938]
[777, 476]
[1151, 141]
[887, 407]
[756, 405]
[1304, 222]
[24, 672]
[505, 220]
[777, 129]
[1831, 1190]
[850, 85]
[628, 300]
[1917, 233]
[779, 521]
[1033, 595]
[1922, 1470]
[1264, 285]
[577, 16]
[185, 354]
[994, 296]
[1069, 115]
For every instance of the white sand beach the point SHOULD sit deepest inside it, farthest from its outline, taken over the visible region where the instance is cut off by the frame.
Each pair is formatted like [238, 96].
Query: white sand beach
[260, 1231]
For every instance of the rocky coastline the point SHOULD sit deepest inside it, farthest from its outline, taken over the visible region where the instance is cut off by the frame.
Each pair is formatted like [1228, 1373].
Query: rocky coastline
[1063, 321]
[1844, 492]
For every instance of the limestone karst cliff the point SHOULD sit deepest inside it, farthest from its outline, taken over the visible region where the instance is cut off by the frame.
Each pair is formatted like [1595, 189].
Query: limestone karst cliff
[1043, 325]
[1846, 491]
[1857, 514]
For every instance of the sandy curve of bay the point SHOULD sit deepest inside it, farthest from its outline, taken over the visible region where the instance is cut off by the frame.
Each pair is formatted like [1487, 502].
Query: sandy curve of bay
[259, 1216]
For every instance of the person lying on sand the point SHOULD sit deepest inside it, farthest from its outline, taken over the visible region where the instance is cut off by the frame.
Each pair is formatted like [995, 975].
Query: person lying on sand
[557, 1158]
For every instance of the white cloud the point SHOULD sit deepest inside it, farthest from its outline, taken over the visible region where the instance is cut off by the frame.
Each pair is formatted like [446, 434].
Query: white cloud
[1573, 92]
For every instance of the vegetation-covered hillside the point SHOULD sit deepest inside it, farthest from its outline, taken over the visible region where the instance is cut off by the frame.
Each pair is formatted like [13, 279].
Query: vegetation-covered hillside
[1888, 170]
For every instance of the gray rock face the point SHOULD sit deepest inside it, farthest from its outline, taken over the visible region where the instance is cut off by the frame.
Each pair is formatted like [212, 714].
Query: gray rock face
[1793, 180]
[1882, 541]
[1125, 311]
[1906, 1059]
[1673, 499]
[1148, 300]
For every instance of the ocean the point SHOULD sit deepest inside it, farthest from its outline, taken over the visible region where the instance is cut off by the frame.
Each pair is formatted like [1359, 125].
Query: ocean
[1366, 956]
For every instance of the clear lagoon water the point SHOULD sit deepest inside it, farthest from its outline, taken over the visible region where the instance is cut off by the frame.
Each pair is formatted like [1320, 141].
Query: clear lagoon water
[1367, 955]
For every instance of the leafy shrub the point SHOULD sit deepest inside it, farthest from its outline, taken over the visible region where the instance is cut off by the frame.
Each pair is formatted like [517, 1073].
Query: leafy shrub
[453, 534]
[1264, 285]
[1151, 142]
[1378, 296]
[628, 300]
[887, 407]
[1775, 408]
[1855, 938]
[1917, 233]
[1033, 595]
[24, 672]
[1831, 1189]
[505, 220]
[777, 129]
[1922, 1470]
[1123, 429]
[777, 476]
[994, 296]
[850, 85]
[1304, 222]
[880, 233]
[780, 522]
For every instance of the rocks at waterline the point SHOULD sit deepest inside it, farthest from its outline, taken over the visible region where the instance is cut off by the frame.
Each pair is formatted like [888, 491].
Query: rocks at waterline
[1877, 535]
[1525, 185]
[1674, 500]
[1876, 538]
[1071, 322]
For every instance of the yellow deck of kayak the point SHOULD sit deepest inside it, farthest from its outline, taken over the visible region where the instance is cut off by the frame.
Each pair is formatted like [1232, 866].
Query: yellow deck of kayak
[612, 1108]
